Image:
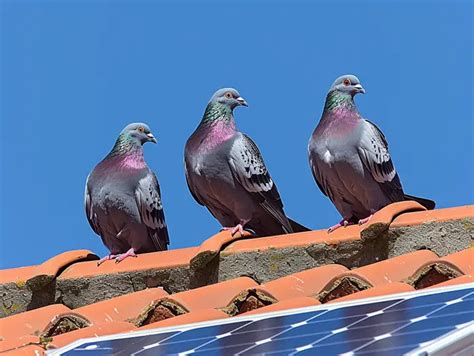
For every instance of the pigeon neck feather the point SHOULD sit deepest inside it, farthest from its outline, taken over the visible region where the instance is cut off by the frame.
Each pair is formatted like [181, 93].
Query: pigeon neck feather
[219, 123]
[337, 101]
[128, 152]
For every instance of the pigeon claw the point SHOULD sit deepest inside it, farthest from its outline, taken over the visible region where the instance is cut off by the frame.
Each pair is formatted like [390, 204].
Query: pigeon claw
[342, 223]
[106, 258]
[129, 253]
[365, 220]
[235, 229]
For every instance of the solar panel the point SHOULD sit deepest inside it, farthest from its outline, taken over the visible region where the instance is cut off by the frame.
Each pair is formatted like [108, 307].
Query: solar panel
[395, 324]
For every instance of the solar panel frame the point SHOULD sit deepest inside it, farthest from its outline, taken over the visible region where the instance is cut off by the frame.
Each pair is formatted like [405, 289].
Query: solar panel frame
[325, 308]
[456, 342]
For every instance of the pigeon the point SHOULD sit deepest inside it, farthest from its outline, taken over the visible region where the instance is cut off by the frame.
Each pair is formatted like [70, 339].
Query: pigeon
[226, 173]
[350, 160]
[123, 198]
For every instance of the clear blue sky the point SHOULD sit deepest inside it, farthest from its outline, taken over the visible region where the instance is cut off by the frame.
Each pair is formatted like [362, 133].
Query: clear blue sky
[73, 75]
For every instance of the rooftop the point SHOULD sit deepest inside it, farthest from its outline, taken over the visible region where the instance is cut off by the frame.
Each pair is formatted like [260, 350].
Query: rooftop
[402, 249]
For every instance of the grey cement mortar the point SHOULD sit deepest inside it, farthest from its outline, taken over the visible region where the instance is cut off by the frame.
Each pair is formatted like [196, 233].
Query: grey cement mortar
[15, 299]
[265, 265]
[443, 238]
[78, 292]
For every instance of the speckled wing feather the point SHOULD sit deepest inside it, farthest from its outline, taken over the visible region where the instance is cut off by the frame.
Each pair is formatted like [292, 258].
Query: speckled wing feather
[249, 169]
[148, 199]
[373, 151]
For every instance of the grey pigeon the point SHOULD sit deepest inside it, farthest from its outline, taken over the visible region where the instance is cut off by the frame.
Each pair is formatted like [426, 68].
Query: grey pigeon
[350, 160]
[123, 199]
[226, 173]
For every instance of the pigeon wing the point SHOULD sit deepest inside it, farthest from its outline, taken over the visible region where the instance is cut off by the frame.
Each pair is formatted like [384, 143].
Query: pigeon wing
[148, 199]
[91, 216]
[373, 151]
[191, 187]
[249, 169]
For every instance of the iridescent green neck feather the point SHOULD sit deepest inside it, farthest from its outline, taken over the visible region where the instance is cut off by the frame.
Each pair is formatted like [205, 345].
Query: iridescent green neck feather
[217, 112]
[337, 100]
[125, 145]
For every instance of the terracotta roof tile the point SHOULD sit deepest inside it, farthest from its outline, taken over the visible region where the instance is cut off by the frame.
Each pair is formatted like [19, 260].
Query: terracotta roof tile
[91, 331]
[443, 269]
[30, 350]
[32, 322]
[197, 266]
[379, 222]
[468, 278]
[213, 245]
[293, 303]
[384, 289]
[17, 275]
[303, 284]
[122, 308]
[153, 260]
[349, 233]
[188, 318]
[213, 296]
[15, 343]
[383, 218]
[216, 296]
[464, 260]
[396, 269]
[422, 217]
[50, 267]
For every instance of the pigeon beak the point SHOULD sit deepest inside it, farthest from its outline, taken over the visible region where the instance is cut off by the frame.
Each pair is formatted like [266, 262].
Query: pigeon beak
[359, 88]
[242, 101]
[151, 138]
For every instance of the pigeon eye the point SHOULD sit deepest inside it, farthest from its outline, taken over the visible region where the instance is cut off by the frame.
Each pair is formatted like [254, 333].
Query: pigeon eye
[141, 129]
[228, 95]
[346, 82]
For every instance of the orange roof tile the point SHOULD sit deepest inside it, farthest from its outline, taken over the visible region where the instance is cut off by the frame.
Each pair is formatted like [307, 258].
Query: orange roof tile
[422, 217]
[122, 308]
[15, 343]
[188, 318]
[215, 296]
[293, 303]
[303, 284]
[469, 278]
[91, 331]
[32, 322]
[384, 289]
[28, 350]
[463, 260]
[167, 259]
[154, 307]
[383, 218]
[50, 267]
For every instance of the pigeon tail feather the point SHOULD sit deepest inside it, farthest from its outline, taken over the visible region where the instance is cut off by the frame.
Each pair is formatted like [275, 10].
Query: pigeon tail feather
[297, 227]
[427, 203]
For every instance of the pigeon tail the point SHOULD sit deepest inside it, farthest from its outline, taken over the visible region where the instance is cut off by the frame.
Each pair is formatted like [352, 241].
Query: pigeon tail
[427, 203]
[297, 227]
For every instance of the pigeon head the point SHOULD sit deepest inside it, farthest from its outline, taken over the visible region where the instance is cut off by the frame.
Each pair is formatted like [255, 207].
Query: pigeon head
[139, 133]
[348, 84]
[228, 97]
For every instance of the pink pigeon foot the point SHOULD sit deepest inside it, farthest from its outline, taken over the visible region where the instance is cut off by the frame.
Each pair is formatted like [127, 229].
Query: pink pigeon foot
[106, 258]
[342, 223]
[129, 253]
[235, 229]
[365, 220]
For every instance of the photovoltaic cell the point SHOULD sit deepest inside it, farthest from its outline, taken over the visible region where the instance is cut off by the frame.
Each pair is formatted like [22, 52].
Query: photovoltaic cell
[395, 326]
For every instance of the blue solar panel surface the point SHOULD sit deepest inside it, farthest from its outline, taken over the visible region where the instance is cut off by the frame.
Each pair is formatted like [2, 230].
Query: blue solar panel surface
[390, 326]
